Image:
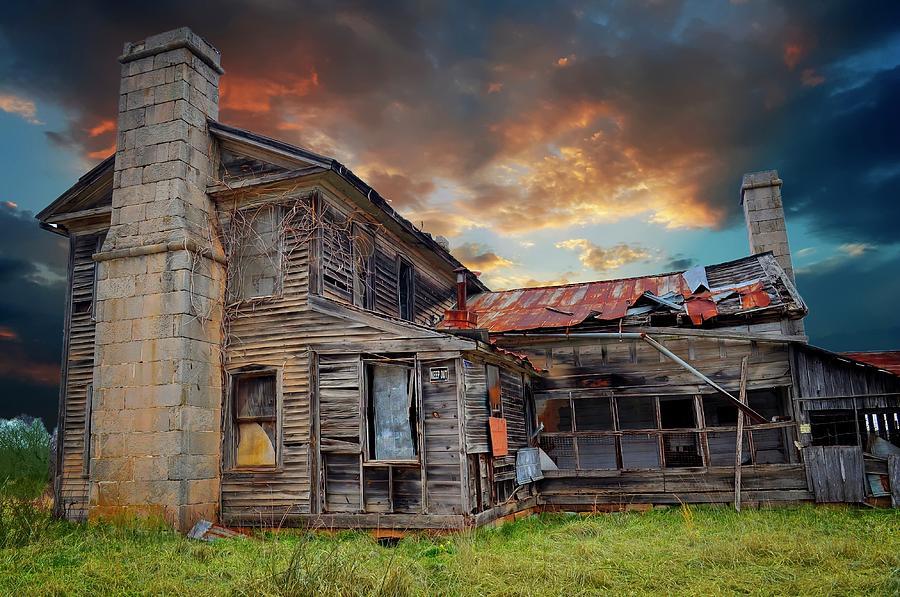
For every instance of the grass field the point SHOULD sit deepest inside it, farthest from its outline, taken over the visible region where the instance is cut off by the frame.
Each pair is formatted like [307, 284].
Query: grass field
[679, 551]
[698, 551]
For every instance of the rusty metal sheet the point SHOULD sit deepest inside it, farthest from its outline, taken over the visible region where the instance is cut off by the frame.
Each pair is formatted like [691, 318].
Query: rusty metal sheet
[569, 305]
[889, 360]
[701, 309]
[499, 442]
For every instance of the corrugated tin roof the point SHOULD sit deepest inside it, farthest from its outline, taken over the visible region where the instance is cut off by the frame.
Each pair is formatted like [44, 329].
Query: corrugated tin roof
[750, 283]
[889, 360]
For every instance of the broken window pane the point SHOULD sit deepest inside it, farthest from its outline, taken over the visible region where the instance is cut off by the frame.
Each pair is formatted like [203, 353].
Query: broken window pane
[255, 418]
[682, 449]
[561, 450]
[555, 414]
[406, 290]
[255, 268]
[677, 412]
[392, 412]
[593, 414]
[637, 412]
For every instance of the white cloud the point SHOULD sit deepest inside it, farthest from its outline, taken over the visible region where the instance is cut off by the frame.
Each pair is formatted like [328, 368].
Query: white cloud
[22, 107]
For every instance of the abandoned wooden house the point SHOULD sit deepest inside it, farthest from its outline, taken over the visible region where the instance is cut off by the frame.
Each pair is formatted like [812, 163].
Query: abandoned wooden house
[253, 335]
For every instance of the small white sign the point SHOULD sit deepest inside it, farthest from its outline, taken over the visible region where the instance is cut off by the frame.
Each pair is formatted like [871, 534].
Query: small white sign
[439, 374]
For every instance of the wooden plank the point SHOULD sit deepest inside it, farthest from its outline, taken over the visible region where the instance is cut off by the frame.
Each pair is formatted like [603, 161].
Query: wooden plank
[739, 447]
[894, 479]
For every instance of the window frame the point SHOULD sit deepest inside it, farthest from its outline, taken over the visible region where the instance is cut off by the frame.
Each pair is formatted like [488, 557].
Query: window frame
[364, 286]
[278, 211]
[411, 293]
[231, 421]
[368, 422]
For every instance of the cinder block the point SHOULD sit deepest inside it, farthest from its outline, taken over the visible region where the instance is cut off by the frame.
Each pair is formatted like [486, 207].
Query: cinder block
[162, 443]
[163, 112]
[147, 468]
[202, 491]
[189, 466]
[111, 469]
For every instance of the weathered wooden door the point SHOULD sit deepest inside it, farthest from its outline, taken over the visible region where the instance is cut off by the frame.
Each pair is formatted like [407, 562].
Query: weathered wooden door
[835, 473]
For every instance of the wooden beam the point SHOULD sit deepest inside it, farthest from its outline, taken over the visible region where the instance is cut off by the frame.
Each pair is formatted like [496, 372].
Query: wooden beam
[739, 448]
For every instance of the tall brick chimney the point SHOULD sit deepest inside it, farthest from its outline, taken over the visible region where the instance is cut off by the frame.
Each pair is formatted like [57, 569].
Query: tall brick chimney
[155, 429]
[764, 214]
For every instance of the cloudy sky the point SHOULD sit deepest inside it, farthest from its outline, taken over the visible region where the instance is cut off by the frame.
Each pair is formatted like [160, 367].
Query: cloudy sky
[548, 141]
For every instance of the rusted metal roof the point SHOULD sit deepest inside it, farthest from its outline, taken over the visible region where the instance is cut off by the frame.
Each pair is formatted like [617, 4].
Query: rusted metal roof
[889, 360]
[748, 284]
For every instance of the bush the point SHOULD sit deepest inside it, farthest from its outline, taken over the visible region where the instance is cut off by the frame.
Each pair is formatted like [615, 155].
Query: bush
[24, 458]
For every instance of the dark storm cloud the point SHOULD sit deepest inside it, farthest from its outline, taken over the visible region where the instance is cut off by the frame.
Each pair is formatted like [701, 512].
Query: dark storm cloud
[32, 287]
[659, 105]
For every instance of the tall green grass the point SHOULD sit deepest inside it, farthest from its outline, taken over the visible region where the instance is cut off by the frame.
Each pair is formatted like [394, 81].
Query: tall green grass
[688, 551]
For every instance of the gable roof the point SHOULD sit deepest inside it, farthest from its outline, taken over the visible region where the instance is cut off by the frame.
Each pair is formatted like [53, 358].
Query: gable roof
[310, 158]
[748, 285]
[93, 189]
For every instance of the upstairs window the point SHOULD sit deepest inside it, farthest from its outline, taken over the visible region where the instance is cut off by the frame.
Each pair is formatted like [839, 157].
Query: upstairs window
[391, 413]
[255, 421]
[406, 287]
[363, 267]
[495, 403]
[255, 263]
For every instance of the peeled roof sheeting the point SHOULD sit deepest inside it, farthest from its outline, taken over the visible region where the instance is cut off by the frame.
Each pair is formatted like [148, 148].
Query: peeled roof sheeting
[571, 304]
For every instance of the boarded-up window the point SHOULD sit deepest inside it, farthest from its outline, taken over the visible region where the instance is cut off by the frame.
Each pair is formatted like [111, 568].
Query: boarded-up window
[492, 373]
[406, 289]
[363, 267]
[255, 404]
[255, 265]
[392, 413]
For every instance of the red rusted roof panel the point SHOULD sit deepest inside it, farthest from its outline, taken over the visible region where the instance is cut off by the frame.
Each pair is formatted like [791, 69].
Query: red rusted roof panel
[889, 360]
[608, 300]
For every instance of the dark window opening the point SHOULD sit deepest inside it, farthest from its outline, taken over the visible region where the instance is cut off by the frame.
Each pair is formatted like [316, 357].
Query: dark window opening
[555, 414]
[682, 449]
[406, 290]
[833, 428]
[719, 411]
[81, 307]
[363, 267]
[677, 413]
[492, 377]
[392, 429]
[593, 414]
[255, 421]
[637, 412]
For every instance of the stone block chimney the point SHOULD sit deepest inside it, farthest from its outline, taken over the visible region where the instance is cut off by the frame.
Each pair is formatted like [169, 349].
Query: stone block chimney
[764, 214]
[157, 388]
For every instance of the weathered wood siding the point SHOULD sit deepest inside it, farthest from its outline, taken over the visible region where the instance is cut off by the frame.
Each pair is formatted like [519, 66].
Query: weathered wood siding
[512, 395]
[78, 374]
[836, 473]
[476, 408]
[440, 408]
[828, 377]
[434, 285]
[339, 430]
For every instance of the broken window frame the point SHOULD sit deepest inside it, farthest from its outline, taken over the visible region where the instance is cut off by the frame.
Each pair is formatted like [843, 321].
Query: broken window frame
[408, 294]
[368, 408]
[237, 295]
[232, 419]
[363, 266]
[700, 431]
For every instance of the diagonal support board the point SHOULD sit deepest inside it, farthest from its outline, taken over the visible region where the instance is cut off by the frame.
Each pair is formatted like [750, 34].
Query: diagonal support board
[754, 416]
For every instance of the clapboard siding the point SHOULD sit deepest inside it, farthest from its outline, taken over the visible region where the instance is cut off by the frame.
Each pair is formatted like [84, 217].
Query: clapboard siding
[512, 396]
[476, 408]
[79, 371]
[442, 443]
[827, 376]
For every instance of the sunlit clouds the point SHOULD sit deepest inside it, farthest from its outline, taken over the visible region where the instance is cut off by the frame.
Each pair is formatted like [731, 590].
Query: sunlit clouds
[603, 259]
[20, 106]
